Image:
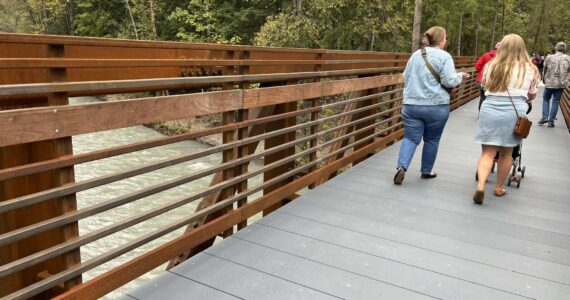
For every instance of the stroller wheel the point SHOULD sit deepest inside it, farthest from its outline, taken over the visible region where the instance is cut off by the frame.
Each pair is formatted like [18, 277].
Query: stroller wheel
[522, 171]
[518, 183]
[509, 182]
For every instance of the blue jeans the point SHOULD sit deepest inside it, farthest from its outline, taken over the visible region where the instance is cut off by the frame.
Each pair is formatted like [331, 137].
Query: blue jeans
[549, 113]
[425, 121]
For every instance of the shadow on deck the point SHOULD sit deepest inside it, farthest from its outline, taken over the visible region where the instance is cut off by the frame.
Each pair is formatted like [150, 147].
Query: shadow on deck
[359, 236]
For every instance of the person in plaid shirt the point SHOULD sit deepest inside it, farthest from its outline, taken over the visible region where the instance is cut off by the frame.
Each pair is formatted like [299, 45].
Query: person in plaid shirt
[556, 78]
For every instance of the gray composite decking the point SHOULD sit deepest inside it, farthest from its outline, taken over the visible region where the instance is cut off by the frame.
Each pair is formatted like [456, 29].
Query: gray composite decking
[359, 236]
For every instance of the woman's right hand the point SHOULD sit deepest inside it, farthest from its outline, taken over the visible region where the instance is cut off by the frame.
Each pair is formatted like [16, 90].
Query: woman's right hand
[464, 75]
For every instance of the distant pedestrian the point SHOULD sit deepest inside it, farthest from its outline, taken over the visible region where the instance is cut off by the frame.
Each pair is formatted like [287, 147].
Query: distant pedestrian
[541, 65]
[428, 73]
[510, 81]
[556, 78]
[479, 65]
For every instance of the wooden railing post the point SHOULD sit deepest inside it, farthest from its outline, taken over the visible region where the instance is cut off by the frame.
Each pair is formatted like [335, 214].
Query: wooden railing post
[367, 123]
[243, 115]
[276, 141]
[29, 153]
[315, 116]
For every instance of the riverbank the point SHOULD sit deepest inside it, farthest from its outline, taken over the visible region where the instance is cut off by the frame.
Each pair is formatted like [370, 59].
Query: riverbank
[190, 125]
[176, 127]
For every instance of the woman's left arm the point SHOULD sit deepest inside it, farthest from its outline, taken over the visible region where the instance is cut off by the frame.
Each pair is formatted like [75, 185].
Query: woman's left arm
[449, 78]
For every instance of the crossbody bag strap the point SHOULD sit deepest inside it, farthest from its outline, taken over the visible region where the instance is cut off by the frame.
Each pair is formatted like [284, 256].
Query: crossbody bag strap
[513, 103]
[430, 67]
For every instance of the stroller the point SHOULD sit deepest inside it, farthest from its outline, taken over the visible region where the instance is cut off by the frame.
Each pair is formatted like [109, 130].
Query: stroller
[517, 169]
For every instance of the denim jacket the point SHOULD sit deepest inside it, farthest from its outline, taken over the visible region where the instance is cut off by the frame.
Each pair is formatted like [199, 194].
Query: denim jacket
[421, 87]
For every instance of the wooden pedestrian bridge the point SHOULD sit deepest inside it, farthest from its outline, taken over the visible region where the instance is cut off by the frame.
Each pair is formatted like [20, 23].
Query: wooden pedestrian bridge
[297, 200]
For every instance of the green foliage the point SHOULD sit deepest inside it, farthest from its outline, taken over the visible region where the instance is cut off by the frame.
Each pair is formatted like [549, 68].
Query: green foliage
[34, 16]
[341, 24]
[473, 26]
[285, 30]
[100, 18]
[218, 21]
[486, 21]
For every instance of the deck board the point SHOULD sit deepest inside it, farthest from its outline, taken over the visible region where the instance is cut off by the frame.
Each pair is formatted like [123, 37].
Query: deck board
[359, 236]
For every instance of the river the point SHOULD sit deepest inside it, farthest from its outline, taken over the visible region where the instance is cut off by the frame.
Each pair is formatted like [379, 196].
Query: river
[106, 139]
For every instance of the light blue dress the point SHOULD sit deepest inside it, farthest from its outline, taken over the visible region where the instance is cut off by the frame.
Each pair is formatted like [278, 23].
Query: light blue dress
[497, 121]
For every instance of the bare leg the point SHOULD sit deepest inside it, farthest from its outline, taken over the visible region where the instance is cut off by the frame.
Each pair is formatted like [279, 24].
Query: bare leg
[504, 166]
[484, 165]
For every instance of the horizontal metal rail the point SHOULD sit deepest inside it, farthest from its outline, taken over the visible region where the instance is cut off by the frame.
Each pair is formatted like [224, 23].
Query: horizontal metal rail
[86, 88]
[12, 63]
[134, 45]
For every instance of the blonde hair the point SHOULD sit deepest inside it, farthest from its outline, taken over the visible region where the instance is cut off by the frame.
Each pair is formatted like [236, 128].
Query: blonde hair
[434, 35]
[511, 55]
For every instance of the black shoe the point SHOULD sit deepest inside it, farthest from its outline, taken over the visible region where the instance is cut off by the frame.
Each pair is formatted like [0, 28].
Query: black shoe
[429, 175]
[399, 177]
[550, 124]
[542, 121]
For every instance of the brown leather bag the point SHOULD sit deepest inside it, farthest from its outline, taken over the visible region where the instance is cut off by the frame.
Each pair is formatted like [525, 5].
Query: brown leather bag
[522, 127]
[451, 91]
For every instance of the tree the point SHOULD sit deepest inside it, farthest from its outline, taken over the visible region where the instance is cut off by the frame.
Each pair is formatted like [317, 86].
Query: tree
[151, 8]
[417, 25]
[128, 5]
[285, 30]
[343, 24]
[221, 21]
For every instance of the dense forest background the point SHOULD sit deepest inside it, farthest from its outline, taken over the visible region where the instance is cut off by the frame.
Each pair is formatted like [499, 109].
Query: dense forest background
[380, 25]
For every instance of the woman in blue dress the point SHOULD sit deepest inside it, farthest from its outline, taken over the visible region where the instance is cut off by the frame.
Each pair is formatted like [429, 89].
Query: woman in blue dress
[510, 79]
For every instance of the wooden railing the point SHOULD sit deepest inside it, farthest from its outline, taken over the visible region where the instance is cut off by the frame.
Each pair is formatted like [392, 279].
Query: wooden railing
[565, 106]
[314, 112]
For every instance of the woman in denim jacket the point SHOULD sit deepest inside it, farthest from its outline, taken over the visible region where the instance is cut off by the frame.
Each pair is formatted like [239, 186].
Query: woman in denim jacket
[426, 102]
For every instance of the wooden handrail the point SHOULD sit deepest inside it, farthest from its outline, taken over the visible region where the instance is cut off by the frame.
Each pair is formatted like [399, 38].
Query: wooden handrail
[565, 106]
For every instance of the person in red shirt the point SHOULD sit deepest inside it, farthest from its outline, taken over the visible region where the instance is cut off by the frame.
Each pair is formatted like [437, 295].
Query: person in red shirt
[480, 64]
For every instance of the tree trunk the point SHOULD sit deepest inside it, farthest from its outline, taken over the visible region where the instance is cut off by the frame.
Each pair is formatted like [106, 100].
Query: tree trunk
[32, 15]
[298, 7]
[44, 17]
[416, 26]
[70, 20]
[459, 35]
[494, 27]
[132, 19]
[503, 18]
[477, 26]
[539, 25]
[153, 19]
